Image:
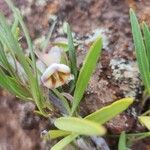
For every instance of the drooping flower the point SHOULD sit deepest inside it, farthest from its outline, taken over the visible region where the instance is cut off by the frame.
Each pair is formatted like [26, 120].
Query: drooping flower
[56, 75]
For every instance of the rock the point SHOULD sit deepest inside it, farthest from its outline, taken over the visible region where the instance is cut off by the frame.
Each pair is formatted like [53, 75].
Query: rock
[120, 123]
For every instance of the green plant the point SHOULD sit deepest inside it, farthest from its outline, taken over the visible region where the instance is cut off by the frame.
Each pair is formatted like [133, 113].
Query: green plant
[78, 126]
[141, 42]
[122, 142]
[11, 50]
[141, 37]
[26, 85]
[127, 139]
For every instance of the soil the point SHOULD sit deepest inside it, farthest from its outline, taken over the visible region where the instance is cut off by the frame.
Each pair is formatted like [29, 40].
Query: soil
[116, 76]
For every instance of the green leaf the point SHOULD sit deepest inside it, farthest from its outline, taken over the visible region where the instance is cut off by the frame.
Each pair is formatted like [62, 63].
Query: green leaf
[12, 43]
[145, 120]
[86, 71]
[140, 50]
[146, 33]
[7, 38]
[4, 61]
[12, 85]
[36, 89]
[63, 100]
[137, 136]
[80, 126]
[62, 45]
[26, 33]
[15, 29]
[106, 113]
[72, 51]
[25, 30]
[6, 65]
[72, 56]
[64, 142]
[122, 142]
[28, 39]
[53, 134]
[21, 92]
[47, 40]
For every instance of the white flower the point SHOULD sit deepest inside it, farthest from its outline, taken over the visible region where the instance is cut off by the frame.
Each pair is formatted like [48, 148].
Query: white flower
[56, 75]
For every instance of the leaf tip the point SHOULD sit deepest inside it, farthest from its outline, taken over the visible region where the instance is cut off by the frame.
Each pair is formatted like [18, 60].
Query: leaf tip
[130, 100]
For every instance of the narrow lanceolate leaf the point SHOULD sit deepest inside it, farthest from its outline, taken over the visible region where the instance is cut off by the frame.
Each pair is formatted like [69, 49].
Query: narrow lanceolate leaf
[53, 134]
[146, 33]
[145, 120]
[15, 29]
[12, 44]
[13, 86]
[106, 113]
[4, 61]
[122, 142]
[72, 51]
[140, 50]
[25, 30]
[86, 71]
[47, 40]
[72, 57]
[28, 38]
[64, 142]
[7, 38]
[63, 100]
[80, 126]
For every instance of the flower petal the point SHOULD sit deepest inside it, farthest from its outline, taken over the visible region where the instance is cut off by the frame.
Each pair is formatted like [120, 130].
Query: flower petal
[56, 75]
